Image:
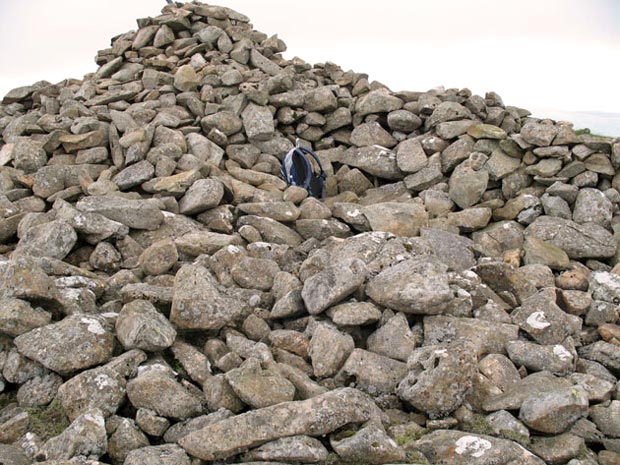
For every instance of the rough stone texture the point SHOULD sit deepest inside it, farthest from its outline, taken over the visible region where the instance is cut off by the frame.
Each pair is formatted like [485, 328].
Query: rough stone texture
[317, 416]
[140, 326]
[53, 346]
[555, 411]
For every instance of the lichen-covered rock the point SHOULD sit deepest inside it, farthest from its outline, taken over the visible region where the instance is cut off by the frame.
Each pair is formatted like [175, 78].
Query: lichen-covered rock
[317, 416]
[140, 326]
[54, 345]
[555, 411]
[167, 454]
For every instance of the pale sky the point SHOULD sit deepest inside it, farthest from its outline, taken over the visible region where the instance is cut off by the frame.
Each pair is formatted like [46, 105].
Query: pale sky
[553, 54]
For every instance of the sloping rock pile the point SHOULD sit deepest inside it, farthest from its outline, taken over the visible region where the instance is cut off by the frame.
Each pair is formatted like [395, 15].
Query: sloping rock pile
[166, 299]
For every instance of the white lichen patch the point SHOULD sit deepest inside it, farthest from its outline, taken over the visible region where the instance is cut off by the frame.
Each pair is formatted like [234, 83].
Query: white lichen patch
[561, 352]
[538, 320]
[93, 325]
[354, 213]
[104, 381]
[94, 418]
[472, 445]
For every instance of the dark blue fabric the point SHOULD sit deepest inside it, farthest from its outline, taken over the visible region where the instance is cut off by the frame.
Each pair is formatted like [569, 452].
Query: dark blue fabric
[297, 171]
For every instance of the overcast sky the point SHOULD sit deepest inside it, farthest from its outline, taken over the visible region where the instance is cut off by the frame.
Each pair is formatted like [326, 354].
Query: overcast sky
[553, 54]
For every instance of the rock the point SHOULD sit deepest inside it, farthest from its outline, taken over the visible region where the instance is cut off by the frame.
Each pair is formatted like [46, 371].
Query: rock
[374, 374]
[167, 454]
[447, 111]
[372, 134]
[134, 175]
[602, 352]
[401, 219]
[259, 388]
[453, 250]
[544, 253]
[500, 165]
[202, 195]
[332, 285]
[85, 436]
[403, 120]
[592, 206]
[487, 336]
[328, 350]
[317, 416]
[378, 101]
[210, 309]
[140, 326]
[394, 339]
[258, 122]
[439, 377]
[53, 345]
[354, 314]
[606, 418]
[538, 134]
[186, 79]
[457, 448]
[556, 359]
[55, 239]
[370, 444]
[554, 412]
[375, 160]
[558, 449]
[28, 155]
[486, 131]
[412, 286]
[467, 186]
[543, 320]
[100, 388]
[410, 156]
[578, 241]
[18, 317]
[291, 449]
[159, 257]
[137, 214]
[157, 391]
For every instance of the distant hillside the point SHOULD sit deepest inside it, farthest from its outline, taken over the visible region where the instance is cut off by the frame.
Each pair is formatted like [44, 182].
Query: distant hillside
[606, 124]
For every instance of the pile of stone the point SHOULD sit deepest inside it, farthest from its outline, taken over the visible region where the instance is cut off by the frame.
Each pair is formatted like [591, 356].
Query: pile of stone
[167, 299]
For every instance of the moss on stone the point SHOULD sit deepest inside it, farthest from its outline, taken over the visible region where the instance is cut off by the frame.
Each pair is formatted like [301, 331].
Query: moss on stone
[7, 398]
[478, 425]
[48, 421]
[410, 435]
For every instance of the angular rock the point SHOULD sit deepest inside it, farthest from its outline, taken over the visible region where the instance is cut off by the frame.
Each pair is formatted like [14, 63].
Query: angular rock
[398, 218]
[167, 454]
[53, 346]
[137, 214]
[554, 412]
[417, 286]
[140, 326]
[317, 416]
[328, 350]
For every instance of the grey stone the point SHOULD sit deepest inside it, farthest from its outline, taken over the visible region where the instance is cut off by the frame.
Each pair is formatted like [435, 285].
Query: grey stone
[554, 358]
[259, 388]
[137, 214]
[426, 177]
[167, 454]
[18, 317]
[467, 186]
[258, 122]
[372, 134]
[554, 412]
[461, 448]
[53, 346]
[394, 339]
[592, 206]
[606, 418]
[332, 285]
[134, 175]
[85, 436]
[291, 449]
[417, 286]
[378, 101]
[55, 239]
[439, 377]
[140, 326]
[369, 444]
[500, 165]
[374, 373]
[602, 352]
[317, 416]
[398, 218]
[538, 134]
[157, 391]
[328, 350]
[447, 111]
[101, 388]
[374, 160]
[453, 250]
[202, 195]
[186, 79]
[410, 156]
[197, 302]
[403, 120]
[28, 155]
[354, 314]
[320, 100]
[578, 241]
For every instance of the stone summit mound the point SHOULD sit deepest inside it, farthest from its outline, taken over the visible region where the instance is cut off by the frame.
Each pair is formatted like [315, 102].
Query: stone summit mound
[166, 299]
